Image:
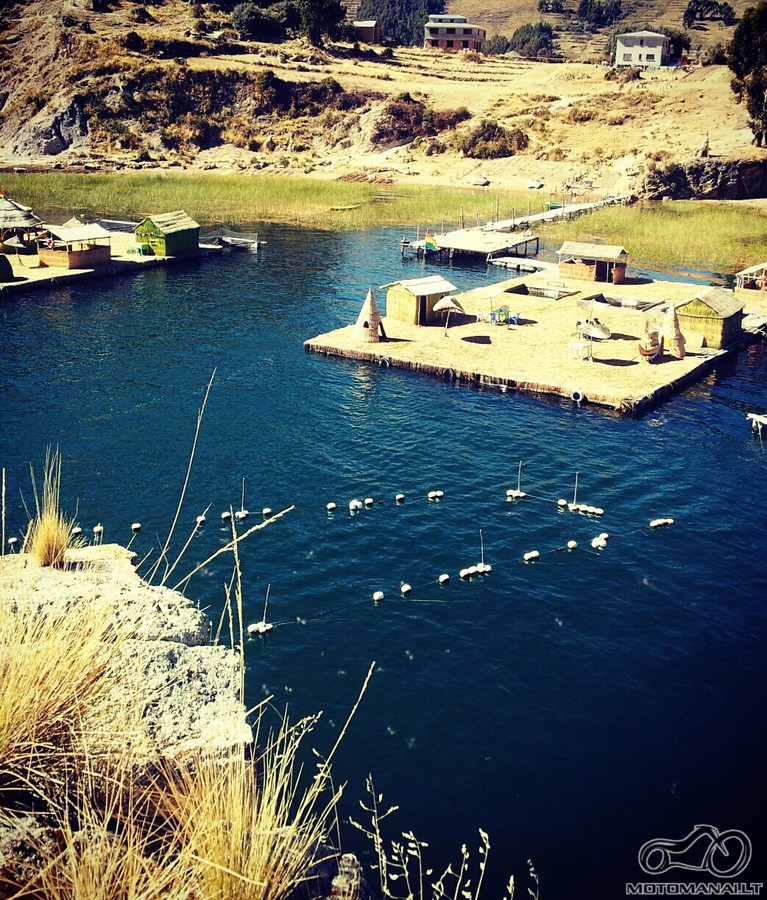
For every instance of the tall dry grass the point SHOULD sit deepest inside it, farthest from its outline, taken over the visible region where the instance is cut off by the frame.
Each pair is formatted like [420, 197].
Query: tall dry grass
[53, 672]
[49, 533]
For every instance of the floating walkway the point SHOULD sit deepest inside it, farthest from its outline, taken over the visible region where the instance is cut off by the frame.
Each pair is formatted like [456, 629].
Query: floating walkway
[568, 211]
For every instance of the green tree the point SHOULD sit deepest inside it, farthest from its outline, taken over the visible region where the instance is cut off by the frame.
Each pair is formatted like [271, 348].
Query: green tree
[747, 57]
[320, 19]
[533, 40]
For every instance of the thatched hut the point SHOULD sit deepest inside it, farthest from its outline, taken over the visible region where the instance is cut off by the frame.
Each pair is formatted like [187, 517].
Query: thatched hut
[592, 262]
[369, 325]
[751, 283]
[76, 247]
[715, 314]
[413, 300]
[16, 220]
[169, 234]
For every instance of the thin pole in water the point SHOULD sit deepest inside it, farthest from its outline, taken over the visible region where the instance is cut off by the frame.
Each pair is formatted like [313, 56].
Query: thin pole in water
[242, 501]
[481, 547]
[575, 492]
[519, 476]
[266, 601]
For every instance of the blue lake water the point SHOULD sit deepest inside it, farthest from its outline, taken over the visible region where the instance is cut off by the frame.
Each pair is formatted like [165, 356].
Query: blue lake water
[574, 708]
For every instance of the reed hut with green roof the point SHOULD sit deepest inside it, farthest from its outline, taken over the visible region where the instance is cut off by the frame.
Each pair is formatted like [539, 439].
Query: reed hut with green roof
[714, 313]
[169, 234]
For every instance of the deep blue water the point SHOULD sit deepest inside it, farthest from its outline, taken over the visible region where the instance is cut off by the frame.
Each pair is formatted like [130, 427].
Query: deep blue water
[573, 708]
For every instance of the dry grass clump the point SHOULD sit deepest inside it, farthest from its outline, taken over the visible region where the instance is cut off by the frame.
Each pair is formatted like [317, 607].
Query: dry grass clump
[52, 672]
[49, 533]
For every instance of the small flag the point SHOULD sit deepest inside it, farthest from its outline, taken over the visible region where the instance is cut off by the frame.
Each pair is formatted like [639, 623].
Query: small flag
[430, 242]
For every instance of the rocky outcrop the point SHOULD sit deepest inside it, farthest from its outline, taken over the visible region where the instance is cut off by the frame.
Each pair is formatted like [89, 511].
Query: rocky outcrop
[52, 132]
[706, 179]
[186, 690]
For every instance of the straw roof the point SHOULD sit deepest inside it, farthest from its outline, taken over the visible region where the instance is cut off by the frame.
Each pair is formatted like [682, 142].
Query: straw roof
[606, 252]
[431, 284]
[14, 215]
[77, 233]
[169, 223]
[723, 303]
[369, 320]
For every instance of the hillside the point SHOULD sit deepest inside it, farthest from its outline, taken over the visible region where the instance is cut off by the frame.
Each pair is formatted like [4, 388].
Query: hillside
[79, 89]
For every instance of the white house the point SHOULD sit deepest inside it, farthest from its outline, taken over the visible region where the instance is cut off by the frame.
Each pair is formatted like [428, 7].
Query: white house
[641, 49]
[446, 32]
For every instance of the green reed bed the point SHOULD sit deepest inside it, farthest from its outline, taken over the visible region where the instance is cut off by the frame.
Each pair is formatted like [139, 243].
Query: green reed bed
[720, 236]
[244, 199]
[714, 236]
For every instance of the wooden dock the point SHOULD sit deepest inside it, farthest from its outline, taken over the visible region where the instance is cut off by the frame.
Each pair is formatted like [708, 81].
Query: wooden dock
[485, 243]
[565, 211]
[542, 354]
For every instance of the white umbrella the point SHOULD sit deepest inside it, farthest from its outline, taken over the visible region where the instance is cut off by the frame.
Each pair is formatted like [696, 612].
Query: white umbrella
[449, 304]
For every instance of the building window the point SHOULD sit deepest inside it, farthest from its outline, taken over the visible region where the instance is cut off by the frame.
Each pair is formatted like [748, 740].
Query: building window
[641, 42]
[650, 57]
[465, 44]
[451, 30]
[626, 57]
[448, 43]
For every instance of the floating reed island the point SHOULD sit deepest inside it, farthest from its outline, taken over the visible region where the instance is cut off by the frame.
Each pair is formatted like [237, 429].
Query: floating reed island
[568, 338]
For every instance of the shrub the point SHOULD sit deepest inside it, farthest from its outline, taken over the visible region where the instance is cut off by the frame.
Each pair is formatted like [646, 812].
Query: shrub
[489, 140]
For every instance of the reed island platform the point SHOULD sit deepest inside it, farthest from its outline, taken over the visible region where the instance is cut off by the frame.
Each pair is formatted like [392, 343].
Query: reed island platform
[537, 346]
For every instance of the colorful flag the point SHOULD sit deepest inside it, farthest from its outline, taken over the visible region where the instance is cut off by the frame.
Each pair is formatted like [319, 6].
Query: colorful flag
[430, 242]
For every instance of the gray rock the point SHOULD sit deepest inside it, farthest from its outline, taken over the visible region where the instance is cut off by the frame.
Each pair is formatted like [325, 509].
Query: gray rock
[50, 133]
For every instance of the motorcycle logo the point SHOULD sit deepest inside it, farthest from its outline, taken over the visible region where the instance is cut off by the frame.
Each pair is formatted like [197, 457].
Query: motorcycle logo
[727, 853]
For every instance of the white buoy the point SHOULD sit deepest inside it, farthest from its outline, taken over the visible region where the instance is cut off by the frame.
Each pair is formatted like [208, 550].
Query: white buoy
[405, 589]
[572, 507]
[354, 505]
[135, 527]
[241, 514]
[201, 520]
[331, 507]
[561, 503]
[262, 627]
[464, 573]
[399, 498]
[604, 536]
[531, 555]
[439, 494]
[226, 515]
[443, 578]
[598, 511]
[571, 545]
[657, 523]
[598, 543]
[76, 532]
[98, 530]
[12, 541]
[378, 596]
[266, 512]
[591, 510]
[369, 501]
[510, 493]
[432, 495]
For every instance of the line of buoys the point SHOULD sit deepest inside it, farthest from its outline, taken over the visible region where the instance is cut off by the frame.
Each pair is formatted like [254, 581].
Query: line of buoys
[435, 495]
[531, 555]
[515, 494]
[658, 523]
[600, 541]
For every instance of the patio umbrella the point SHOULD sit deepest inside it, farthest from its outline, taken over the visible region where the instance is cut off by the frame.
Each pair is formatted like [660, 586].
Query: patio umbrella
[448, 304]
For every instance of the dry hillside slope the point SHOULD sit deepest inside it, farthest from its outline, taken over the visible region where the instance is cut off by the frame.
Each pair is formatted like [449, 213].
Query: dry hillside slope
[75, 92]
